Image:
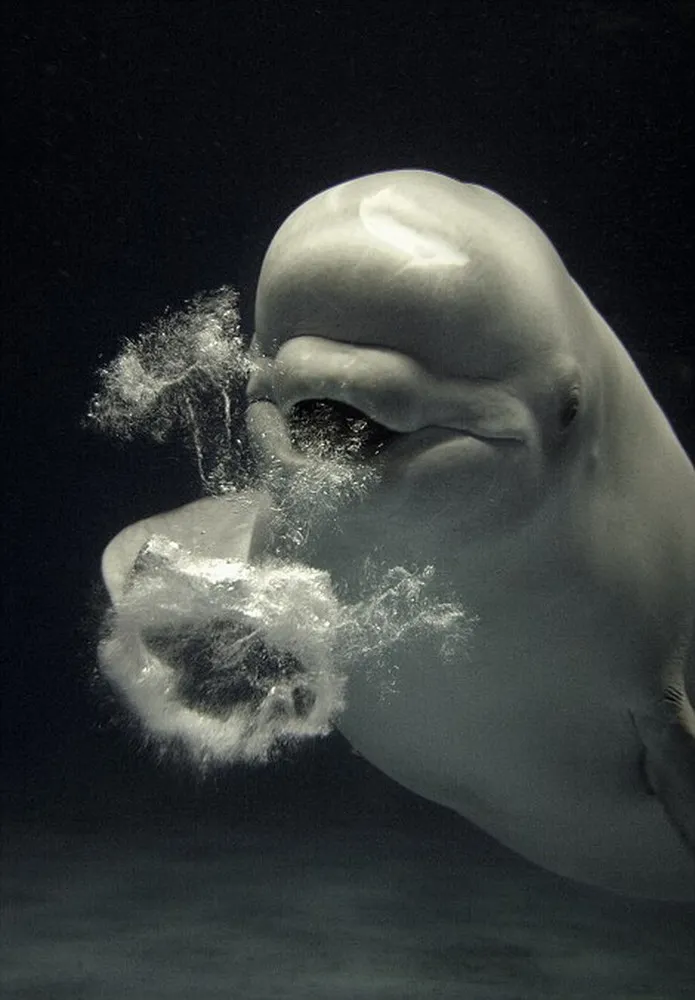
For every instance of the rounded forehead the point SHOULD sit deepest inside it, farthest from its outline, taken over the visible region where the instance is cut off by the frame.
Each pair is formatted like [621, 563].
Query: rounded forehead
[450, 273]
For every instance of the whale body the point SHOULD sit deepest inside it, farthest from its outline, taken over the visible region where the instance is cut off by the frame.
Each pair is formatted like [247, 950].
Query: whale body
[521, 455]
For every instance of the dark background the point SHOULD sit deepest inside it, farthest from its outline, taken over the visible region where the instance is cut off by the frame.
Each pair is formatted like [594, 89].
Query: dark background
[153, 150]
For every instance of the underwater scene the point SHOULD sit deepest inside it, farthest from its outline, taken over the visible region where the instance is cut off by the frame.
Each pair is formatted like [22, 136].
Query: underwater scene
[352, 594]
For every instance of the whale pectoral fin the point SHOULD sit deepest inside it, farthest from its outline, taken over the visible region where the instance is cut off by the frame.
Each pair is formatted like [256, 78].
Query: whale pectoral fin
[668, 764]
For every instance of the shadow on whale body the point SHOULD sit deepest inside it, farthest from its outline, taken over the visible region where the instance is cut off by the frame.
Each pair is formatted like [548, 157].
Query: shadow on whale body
[492, 432]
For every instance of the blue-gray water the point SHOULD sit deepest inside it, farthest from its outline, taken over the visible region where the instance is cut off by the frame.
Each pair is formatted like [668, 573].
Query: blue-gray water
[196, 910]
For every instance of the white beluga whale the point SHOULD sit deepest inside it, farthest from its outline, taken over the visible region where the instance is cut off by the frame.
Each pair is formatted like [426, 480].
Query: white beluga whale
[519, 455]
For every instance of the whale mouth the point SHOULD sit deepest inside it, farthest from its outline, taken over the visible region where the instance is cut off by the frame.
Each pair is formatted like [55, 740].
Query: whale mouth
[327, 428]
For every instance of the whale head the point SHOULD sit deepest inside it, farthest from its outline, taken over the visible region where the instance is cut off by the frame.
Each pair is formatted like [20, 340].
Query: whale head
[440, 319]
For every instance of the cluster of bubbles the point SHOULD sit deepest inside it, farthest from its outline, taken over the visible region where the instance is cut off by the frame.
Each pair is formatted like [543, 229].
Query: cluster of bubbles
[236, 660]
[233, 659]
[182, 377]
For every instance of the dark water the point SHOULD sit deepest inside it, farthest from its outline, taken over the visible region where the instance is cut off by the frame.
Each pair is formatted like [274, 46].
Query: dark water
[153, 149]
[184, 910]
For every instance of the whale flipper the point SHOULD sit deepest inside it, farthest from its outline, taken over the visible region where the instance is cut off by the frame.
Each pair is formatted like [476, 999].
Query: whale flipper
[669, 765]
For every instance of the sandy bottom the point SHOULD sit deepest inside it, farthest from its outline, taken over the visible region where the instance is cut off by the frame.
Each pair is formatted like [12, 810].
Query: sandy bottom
[198, 912]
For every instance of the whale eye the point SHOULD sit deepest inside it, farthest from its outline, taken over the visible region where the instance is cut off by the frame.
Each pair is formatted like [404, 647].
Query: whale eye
[331, 429]
[570, 407]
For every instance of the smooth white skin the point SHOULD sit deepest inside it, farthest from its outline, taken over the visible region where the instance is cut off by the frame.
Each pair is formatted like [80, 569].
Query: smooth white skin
[440, 310]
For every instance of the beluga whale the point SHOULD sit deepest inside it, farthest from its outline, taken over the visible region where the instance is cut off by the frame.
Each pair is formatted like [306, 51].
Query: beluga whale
[518, 455]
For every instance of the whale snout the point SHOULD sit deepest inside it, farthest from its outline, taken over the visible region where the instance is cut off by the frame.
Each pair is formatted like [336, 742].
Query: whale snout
[427, 437]
[389, 391]
[387, 388]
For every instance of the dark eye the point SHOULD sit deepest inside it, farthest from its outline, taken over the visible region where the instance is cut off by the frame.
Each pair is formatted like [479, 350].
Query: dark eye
[570, 408]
